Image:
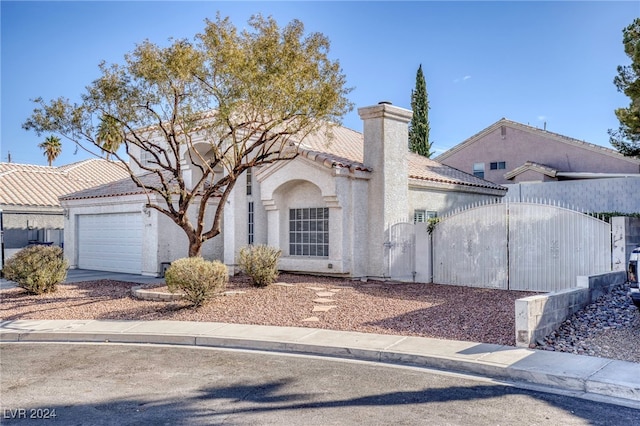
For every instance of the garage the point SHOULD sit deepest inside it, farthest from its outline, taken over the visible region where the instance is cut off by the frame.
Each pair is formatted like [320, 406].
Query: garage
[110, 242]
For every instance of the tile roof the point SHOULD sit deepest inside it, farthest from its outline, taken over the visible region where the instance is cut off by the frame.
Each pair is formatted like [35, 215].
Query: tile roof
[120, 187]
[425, 169]
[346, 149]
[30, 185]
[343, 148]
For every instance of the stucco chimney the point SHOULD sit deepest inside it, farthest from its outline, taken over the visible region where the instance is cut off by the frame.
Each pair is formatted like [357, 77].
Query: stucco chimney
[386, 147]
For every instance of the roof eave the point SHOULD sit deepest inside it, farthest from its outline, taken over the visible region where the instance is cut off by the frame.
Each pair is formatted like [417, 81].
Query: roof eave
[456, 186]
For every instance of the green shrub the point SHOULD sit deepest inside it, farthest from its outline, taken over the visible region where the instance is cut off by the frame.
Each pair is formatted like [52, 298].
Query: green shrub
[37, 269]
[199, 279]
[260, 263]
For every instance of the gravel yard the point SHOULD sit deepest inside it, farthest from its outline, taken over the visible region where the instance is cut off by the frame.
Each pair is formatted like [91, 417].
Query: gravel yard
[428, 310]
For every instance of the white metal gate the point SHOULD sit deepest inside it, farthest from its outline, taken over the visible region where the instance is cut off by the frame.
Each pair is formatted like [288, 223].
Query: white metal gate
[519, 246]
[470, 248]
[401, 253]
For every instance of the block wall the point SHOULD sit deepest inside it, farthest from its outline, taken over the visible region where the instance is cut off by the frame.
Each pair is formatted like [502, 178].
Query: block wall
[538, 316]
[593, 195]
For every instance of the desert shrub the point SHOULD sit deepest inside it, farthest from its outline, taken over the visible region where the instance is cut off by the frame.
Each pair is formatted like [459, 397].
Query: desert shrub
[38, 269]
[260, 263]
[197, 278]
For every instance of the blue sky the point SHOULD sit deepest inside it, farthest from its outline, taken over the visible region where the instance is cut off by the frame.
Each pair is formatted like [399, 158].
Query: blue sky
[531, 62]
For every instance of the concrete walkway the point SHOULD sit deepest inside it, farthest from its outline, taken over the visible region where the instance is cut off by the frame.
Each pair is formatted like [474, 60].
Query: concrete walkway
[79, 275]
[593, 378]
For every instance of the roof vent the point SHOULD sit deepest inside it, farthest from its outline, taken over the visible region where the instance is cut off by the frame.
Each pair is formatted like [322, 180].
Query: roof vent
[384, 103]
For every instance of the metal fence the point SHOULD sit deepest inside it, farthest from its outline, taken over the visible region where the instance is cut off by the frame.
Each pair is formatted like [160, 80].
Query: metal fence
[510, 245]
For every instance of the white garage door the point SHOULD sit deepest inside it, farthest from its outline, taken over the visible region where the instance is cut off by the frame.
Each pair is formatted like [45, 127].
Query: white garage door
[110, 242]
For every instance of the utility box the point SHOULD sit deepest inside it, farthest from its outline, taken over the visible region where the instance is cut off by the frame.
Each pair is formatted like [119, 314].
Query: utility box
[163, 268]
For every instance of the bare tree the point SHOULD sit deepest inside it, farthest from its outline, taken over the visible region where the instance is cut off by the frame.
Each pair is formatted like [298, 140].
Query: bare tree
[249, 96]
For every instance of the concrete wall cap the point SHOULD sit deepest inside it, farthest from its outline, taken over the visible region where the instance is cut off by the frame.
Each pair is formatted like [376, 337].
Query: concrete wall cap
[385, 110]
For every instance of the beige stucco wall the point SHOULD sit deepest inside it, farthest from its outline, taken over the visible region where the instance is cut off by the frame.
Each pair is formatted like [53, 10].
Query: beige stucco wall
[532, 176]
[443, 200]
[18, 220]
[302, 183]
[163, 240]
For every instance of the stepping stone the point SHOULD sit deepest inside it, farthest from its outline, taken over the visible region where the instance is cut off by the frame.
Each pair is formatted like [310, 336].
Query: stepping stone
[311, 319]
[233, 292]
[285, 284]
[325, 294]
[316, 288]
[321, 300]
[323, 308]
[335, 290]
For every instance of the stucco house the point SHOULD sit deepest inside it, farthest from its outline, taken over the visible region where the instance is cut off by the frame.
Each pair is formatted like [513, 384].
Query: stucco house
[328, 209]
[31, 211]
[508, 152]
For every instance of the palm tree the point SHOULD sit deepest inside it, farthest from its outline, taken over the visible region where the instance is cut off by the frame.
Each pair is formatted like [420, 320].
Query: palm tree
[52, 148]
[109, 136]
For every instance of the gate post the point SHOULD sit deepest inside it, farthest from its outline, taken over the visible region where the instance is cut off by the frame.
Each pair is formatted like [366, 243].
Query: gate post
[423, 259]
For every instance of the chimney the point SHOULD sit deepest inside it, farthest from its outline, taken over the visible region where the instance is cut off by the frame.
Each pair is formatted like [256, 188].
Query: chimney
[386, 149]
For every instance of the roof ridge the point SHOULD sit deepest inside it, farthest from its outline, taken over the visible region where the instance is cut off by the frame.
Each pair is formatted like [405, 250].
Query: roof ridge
[27, 165]
[569, 138]
[72, 166]
[38, 169]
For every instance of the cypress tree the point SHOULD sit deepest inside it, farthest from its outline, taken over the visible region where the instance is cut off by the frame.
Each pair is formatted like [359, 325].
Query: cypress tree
[419, 126]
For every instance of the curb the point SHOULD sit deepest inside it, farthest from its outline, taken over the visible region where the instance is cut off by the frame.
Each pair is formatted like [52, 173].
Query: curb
[585, 377]
[140, 292]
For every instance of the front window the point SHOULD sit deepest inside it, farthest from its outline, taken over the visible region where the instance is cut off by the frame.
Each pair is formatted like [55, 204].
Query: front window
[498, 165]
[309, 232]
[250, 222]
[249, 181]
[420, 216]
[147, 157]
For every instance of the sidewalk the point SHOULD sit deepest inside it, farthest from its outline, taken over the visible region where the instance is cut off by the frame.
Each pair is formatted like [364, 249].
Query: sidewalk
[599, 379]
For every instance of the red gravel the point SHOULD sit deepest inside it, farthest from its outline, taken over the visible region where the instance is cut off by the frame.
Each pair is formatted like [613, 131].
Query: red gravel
[428, 310]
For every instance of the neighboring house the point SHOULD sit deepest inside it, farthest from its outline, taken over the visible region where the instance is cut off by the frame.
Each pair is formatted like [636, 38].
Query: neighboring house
[508, 153]
[328, 210]
[31, 211]
[535, 164]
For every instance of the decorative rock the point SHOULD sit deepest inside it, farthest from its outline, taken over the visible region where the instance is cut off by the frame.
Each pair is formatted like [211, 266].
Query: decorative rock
[612, 311]
[323, 308]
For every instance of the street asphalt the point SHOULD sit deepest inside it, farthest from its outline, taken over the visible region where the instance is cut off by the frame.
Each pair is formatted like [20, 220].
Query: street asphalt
[598, 379]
